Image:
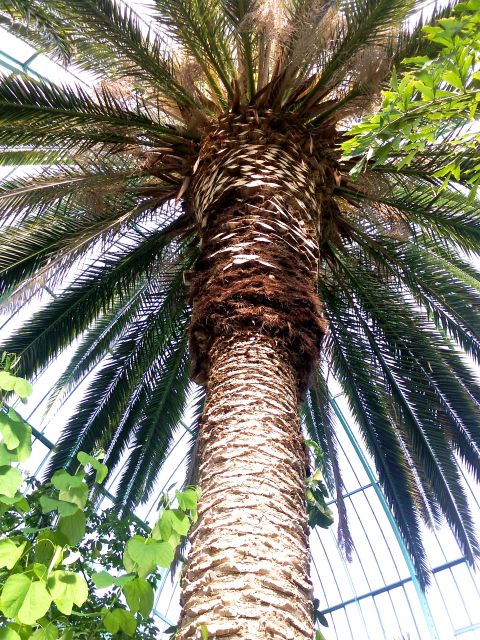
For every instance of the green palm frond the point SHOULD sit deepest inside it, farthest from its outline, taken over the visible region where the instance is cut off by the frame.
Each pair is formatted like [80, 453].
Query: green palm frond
[35, 23]
[244, 41]
[97, 342]
[160, 415]
[22, 196]
[53, 219]
[198, 397]
[29, 156]
[115, 405]
[443, 216]
[361, 23]
[111, 276]
[201, 28]
[369, 399]
[425, 390]
[38, 111]
[320, 424]
[448, 293]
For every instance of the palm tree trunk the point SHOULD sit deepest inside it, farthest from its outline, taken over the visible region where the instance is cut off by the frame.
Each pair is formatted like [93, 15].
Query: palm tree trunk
[248, 570]
[257, 325]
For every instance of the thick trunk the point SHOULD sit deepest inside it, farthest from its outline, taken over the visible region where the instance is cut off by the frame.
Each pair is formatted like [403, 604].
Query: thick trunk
[248, 570]
[256, 330]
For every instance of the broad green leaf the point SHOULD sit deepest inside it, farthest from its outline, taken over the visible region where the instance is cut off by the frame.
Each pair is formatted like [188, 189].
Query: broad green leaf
[48, 544]
[8, 634]
[319, 635]
[77, 495]
[61, 479]
[18, 501]
[50, 632]
[143, 555]
[10, 552]
[16, 434]
[7, 381]
[73, 527]
[103, 579]
[204, 631]
[67, 588]
[24, 599]
[120, 620]
[23, 433]
[101, 470]
[10, 481]
[7, 429]
[51, 504]
[39, 569]
[139, 596]
[6, 457]
[454, 79]
[187, 499]
[180, 522]
[22, 388]
[163, 526]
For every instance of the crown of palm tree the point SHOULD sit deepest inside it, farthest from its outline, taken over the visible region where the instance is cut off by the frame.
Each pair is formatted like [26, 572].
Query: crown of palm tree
[401, 299]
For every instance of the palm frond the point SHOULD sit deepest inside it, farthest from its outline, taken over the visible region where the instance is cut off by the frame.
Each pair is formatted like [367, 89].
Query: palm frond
[368, 398]
[200, 26]
[110, 277]
[161, 416]
[97, 342]
[243, 37]
[38, 111]
[361, 24]
[449, 294]
[135, 356]
[21, 196]
[34, 23]
[425, 390]
[444, 216]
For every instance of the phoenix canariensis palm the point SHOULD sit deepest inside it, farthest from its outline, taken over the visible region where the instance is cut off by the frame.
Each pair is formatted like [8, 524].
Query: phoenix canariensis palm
[198, 203]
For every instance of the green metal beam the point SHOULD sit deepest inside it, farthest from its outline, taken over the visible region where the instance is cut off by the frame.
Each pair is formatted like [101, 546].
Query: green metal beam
[389, 587]
[471, 627]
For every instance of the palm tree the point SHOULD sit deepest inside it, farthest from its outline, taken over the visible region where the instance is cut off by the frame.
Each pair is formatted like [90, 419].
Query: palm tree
[197, 206]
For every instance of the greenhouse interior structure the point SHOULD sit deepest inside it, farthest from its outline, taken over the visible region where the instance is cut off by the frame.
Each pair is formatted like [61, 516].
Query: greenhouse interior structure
[375, 594]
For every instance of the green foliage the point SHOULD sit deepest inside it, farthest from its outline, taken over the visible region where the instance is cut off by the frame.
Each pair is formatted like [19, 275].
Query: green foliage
[57, 553]
[319, 514]
[433, 103]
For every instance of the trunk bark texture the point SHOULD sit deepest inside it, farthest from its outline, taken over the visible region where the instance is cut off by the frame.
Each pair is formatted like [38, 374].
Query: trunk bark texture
[257, 325]
[248, 571]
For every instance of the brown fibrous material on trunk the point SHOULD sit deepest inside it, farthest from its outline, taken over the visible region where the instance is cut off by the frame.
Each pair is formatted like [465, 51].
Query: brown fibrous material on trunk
[258, 194]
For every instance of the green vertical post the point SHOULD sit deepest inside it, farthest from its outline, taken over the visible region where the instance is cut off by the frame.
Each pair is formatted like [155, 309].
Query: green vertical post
[371, 476]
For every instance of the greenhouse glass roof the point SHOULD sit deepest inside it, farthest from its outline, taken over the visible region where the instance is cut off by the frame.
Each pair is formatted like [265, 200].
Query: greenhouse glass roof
[375, 596]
